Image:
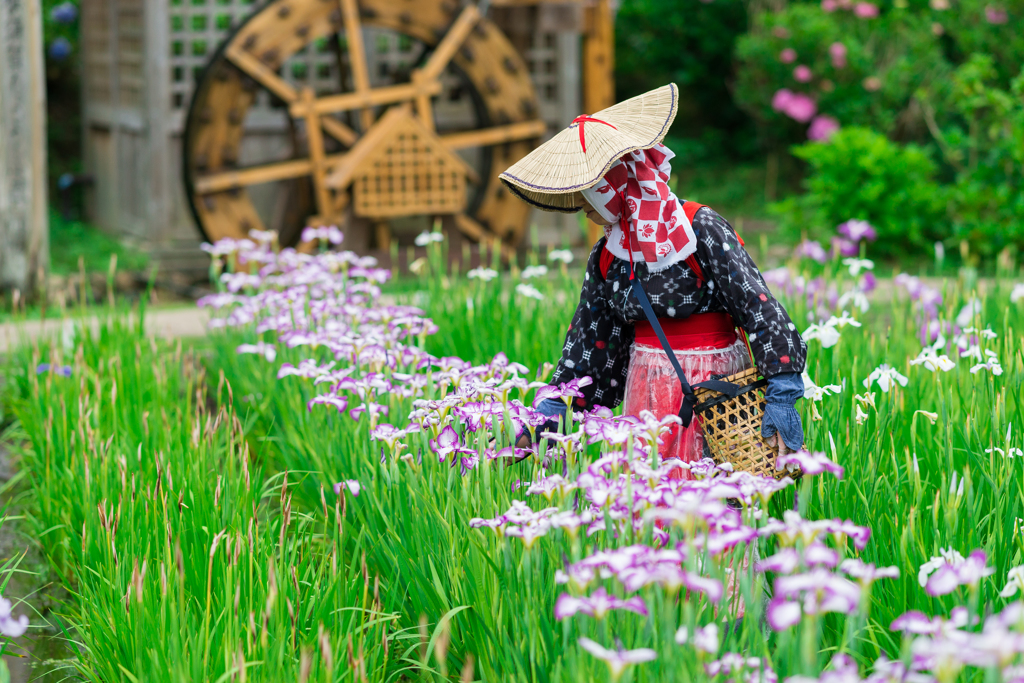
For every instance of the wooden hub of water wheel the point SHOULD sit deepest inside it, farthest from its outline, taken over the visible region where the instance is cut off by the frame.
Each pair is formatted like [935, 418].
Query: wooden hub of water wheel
[370, 151]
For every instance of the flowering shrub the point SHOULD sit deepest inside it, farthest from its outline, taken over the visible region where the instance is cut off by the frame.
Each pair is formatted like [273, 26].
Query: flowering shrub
[839, 61]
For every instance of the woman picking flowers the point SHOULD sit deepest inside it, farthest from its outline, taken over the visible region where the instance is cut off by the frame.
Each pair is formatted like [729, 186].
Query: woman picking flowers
[696, 280]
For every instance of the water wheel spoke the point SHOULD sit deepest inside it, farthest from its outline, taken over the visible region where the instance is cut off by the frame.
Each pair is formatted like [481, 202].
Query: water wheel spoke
[497, 135]
[391, 94]
[357, 56]
[254, 175]
[440, 58]
[451, 43]
[262, 73]
[339, 131]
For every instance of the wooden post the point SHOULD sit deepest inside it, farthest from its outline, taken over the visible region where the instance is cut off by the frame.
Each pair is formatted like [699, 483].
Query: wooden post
[598, 70]
[598, 57]
[24, 222]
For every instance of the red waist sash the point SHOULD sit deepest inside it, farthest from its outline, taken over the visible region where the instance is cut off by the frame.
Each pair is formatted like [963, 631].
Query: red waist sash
[702, 330]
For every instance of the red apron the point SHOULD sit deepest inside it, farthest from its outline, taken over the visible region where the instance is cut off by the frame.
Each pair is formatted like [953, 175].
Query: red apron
[706, 345]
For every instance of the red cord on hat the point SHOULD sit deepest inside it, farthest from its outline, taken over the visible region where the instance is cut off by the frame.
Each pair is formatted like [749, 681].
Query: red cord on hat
[583, 119]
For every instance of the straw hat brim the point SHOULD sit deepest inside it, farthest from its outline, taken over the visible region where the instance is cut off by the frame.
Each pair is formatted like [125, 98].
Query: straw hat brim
[552, 176]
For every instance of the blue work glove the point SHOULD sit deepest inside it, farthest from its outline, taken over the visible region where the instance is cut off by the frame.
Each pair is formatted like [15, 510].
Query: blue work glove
[780, 417]
[555, 409]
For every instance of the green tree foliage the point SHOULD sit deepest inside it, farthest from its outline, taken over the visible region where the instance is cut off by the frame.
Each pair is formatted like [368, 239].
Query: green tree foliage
[979, 128]
[859, 173]
[690, 43]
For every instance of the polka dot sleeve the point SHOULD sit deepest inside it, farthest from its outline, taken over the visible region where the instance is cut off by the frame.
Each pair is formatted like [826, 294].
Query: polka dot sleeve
[597, 342]
[741, 291]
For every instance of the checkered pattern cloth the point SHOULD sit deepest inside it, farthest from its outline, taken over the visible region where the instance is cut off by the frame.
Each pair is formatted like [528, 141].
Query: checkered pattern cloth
[598, 341]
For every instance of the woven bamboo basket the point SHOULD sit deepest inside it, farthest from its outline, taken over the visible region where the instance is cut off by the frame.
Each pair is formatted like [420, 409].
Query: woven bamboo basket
[732, 426]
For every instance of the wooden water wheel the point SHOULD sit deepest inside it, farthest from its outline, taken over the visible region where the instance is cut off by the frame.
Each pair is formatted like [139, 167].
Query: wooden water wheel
[375, 136]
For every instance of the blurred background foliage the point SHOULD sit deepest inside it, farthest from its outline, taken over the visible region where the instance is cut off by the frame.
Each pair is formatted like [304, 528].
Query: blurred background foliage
[935, 89]
[932, 92]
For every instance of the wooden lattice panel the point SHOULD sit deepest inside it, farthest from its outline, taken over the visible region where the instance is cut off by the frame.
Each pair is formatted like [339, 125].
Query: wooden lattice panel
[412, 173]
[96, 43]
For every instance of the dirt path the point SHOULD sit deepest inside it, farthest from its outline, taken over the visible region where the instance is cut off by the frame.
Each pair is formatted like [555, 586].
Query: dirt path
[187, 321]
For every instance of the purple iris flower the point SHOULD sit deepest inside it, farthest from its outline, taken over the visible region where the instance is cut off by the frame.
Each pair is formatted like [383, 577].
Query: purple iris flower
[352, 485]
[867, 573]
[945, 574]
[63, 370]
[9, 625]
[339, 402]
[374, 409]
[548, 486]
[809, 463]
[868, 282]
[916, 623]
[811, 249]
[596, 605]
[793, 528]
[448, 442]
[788, 560]
[844, 247]
[815, 592]
[671, 577]
[741, 668]
[617, 660]
[566, 391]
[856, 230]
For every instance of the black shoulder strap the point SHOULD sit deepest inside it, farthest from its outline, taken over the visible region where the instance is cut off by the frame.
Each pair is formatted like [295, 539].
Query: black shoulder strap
[689, 398]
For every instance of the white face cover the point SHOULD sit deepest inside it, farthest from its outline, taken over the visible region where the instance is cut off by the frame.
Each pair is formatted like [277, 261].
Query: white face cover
[595, 200]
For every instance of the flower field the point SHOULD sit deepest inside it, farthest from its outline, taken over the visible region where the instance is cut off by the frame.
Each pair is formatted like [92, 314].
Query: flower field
[330, 490]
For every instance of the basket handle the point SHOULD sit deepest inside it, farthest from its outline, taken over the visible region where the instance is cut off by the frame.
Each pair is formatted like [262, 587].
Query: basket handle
[732, 392]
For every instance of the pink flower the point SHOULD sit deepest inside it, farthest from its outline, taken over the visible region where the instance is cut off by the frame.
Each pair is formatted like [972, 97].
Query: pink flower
[996, 15]
[780, 32]
[829, 5]
[801, 108]
[822, 128]
[803, 74]
[787, 56]
[781, 99]
[837, 51]
[866, 10]
[872, 83]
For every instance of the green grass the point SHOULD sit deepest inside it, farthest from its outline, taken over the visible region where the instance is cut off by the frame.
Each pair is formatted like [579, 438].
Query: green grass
[71, 240]
[168, 458]
[183, 555]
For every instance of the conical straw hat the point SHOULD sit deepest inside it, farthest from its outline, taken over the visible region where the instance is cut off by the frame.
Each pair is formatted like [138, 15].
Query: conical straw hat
[551, 176]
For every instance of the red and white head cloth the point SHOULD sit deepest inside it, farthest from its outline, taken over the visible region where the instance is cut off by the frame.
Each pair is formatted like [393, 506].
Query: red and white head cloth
[660, 233]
